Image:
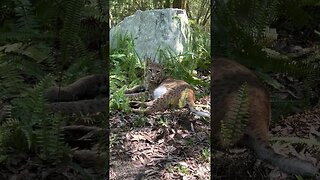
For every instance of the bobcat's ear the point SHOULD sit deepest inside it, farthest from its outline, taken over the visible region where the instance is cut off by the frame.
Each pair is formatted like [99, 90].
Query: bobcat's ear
[162, 66]
[148, 61]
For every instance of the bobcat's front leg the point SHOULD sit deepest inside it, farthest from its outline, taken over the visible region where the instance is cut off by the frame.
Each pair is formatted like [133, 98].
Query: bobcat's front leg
[136, 92]
[140, 104]
[135, 89]
[135, 96]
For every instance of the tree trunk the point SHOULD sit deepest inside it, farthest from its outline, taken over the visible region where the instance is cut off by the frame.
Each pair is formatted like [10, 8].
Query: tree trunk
[181, 4]
[167, 4]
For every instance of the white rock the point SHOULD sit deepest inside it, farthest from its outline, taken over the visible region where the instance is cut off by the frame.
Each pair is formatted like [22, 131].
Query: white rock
[166, 29]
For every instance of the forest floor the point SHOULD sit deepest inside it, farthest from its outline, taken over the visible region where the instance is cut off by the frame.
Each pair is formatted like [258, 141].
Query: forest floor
[295, 136]
[169, 145]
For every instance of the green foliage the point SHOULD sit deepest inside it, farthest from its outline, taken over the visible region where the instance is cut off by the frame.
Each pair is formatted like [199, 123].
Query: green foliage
[240, 25]
[69, 35]
[178, 168]
[297, 15]
[163, 122]
[310, 142]
[11, 83]
[13, 136]
[201, 47]
[124, 73]
[232, 127]
[311, 84]
[282, 108]
[205, 155]
[140, 122]
[197, 10]
[28, 127]
[186, 66]
[119, 101]
[51, 30]
[124, 60]
[39, 38]
[26, 20]
[43, 128]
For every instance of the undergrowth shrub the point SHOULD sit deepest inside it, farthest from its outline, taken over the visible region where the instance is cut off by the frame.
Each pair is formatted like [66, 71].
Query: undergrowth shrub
[60, 38]
[29, 127]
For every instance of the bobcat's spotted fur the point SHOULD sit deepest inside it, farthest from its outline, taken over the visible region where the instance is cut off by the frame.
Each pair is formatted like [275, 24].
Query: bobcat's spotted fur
[164, 92]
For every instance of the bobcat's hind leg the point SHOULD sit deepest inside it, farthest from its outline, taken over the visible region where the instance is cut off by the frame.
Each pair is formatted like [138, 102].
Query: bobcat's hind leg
[152, 107]
[138, 104]
[157, 105]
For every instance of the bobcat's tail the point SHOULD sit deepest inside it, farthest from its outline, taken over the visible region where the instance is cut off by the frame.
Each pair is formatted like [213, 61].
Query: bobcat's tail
[289, 165]
[199, 113]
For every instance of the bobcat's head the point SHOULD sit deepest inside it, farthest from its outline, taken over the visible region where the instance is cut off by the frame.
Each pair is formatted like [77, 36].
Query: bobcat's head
[154, 72]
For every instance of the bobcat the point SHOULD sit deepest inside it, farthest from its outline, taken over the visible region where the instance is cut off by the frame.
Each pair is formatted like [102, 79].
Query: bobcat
[165, 92]
[227, 77]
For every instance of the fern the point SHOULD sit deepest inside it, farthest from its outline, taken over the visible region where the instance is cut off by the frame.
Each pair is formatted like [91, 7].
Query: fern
[49, 139]
[29, 47]
[97, 10]
[12, 136]
[119, 101]
[244, 21]
[261, 15]
[232, 127]
[26, 20]
[11, 83]
[25, 24]
[40, 128]
[309, 142]
[70, 29]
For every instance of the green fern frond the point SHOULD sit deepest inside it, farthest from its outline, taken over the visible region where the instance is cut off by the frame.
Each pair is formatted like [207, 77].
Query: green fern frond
[119, 101]
[309, 142]
[12, 136]
[13, 37]
[97, 10]
[11, 82]
[232, 127]
[310, 86]
[240, 24]
[26, 20]
[49, 138]
[70, 29]
[41, 129]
